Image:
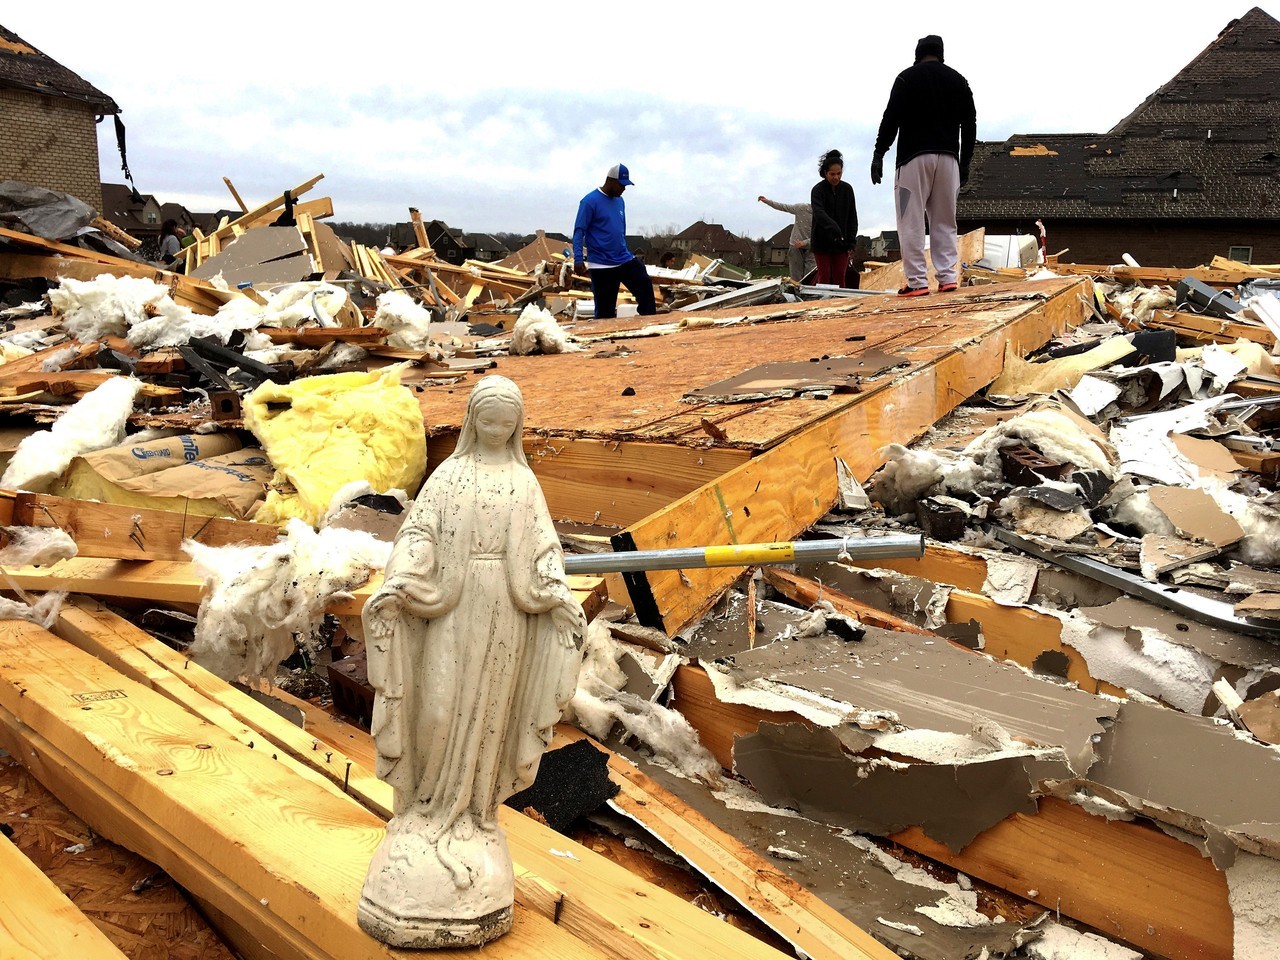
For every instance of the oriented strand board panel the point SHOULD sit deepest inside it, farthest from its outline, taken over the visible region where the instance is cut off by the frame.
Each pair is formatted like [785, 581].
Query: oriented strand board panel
[37, 920]
[639, 395]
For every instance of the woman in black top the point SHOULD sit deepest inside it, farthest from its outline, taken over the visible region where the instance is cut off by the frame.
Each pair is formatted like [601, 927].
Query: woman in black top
[835, 220]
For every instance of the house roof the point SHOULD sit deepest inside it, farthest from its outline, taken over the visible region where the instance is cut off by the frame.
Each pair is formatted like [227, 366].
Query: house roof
[713, 238]
[24, 67]
[783, 237]
[1206, 145]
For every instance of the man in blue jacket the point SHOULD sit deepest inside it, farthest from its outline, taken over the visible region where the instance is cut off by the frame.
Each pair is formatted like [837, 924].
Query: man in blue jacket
[932, 116]
[602, 228]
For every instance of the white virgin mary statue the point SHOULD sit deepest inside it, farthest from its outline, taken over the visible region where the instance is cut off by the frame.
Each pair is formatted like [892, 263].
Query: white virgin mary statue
[474, 642]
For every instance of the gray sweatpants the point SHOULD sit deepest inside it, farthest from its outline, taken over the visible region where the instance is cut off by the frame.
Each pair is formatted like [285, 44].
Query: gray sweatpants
[928, 185]
[800, 262]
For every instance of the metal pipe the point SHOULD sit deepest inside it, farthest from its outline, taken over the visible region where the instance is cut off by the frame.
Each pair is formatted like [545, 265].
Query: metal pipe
[747, 554]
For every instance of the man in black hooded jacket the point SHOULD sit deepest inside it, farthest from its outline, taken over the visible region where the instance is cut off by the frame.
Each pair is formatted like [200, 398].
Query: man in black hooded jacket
[932, 116]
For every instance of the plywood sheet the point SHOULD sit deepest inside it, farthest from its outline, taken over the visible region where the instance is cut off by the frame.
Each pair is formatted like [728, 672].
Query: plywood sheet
[641, 395]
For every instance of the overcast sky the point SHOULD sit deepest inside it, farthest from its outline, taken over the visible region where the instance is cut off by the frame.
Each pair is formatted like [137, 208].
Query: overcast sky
[499, 116]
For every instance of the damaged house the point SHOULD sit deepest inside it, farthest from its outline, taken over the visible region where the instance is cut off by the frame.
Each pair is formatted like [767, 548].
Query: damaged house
[1189, 174]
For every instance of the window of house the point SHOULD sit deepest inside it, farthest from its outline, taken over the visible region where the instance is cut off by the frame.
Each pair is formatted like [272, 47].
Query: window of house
[152, 218]
[1242, 254]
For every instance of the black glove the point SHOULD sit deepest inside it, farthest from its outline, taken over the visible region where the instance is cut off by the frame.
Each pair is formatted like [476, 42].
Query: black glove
[964, 174]
[877, 167]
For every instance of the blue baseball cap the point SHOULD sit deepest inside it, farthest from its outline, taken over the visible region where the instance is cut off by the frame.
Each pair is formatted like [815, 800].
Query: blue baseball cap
[620, 173]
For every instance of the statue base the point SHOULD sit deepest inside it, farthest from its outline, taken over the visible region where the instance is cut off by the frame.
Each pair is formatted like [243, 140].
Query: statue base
[411, 898]
[425, 933]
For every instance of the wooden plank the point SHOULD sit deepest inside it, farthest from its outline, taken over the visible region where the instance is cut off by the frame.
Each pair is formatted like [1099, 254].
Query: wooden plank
[176, 582]
[37, 921]
[597, 901]
[805, 921]
[187, 291]
[251, 217]
[1210, 329]
[115, 233]
[1127, 879]
[420, 231]
[608, 482]
[781, 492]
[234, 827]
[1130, 880]
[131, 533]
[235, 194]
[892, 276]
[156, 920]
[1149, 275]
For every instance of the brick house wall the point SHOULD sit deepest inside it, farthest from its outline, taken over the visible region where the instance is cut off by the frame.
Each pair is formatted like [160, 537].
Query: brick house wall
[51, 142]
[1152, 243]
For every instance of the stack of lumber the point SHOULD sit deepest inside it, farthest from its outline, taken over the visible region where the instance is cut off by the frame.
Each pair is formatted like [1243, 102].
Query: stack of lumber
[272, 831]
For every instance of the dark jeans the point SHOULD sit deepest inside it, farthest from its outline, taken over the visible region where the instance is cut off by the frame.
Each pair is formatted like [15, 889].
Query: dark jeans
[633, 275]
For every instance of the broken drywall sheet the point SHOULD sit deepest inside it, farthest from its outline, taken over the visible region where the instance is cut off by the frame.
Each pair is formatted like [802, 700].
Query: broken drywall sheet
[917, 599]
[794, 766]
[1209, 457]
[1231, 797]
[1093, 394]
[895, 680]
[1116, 652]
[1252, 883]
[1196, 515]
[728, 629]
[1058, 942]
[847, 871]
[787, 379]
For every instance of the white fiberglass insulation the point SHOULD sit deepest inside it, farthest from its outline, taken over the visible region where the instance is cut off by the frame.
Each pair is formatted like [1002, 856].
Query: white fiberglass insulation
[174, 325]
[106, 305]
[1054, 434]
[408, 323]
[261, 602]
[600, 703]
[295, 303]
[536, 331]
[909, 475]
[142, 311]
[94, 422]
[36, 546]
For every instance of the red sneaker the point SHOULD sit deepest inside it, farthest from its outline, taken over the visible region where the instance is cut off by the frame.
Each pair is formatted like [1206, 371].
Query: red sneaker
[914, 292]
[946, 287]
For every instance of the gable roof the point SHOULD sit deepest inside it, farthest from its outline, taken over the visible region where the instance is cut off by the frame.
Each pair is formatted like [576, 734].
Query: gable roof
[714, 238]
[783, 237]
[1206, 145]
[23, 67]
